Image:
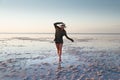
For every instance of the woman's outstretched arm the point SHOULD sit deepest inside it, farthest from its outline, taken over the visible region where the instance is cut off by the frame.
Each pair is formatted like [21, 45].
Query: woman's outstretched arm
[68, 37]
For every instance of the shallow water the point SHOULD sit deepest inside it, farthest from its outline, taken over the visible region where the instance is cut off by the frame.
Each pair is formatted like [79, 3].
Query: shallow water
[33, 57]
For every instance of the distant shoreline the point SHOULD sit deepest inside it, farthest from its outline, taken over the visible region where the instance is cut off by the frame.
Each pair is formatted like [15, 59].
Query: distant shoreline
[69, 33]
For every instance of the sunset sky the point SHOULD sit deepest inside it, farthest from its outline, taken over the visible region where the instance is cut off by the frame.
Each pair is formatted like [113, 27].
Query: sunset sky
[80, 16]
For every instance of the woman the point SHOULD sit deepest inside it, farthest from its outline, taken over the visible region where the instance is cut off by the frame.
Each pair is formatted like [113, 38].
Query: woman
[59, 33]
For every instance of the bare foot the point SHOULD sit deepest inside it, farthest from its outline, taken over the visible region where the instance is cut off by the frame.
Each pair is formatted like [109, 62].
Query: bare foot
[60, 59]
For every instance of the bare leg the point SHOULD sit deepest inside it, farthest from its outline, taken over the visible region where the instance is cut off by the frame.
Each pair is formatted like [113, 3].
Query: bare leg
[57, 46]
[59, 50]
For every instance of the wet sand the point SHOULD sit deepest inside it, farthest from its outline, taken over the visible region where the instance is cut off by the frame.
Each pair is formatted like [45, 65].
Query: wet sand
[35, 58]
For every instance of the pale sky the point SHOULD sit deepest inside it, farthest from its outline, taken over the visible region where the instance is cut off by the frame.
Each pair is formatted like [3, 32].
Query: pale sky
[80, 16]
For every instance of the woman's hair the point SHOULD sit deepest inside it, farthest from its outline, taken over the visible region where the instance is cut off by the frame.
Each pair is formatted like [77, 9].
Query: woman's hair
[63, 25]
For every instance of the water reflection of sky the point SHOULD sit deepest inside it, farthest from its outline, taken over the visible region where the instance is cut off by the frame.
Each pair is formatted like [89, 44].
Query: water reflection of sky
[43, 43]
[29, 52]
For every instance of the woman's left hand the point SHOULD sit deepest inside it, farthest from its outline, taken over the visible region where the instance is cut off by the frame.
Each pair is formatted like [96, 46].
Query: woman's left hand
[72, 40]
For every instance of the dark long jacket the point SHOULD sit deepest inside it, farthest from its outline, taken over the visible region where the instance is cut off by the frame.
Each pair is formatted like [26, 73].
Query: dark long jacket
[59, 33]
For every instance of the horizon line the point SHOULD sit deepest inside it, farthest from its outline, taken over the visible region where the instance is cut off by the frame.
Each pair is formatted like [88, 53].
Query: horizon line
[49, 33]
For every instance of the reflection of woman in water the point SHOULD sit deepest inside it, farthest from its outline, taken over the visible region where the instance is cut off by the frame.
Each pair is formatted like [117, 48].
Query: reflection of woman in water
[59, 33]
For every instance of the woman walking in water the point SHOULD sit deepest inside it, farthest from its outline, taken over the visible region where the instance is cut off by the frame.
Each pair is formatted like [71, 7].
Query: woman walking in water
[59, 33]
